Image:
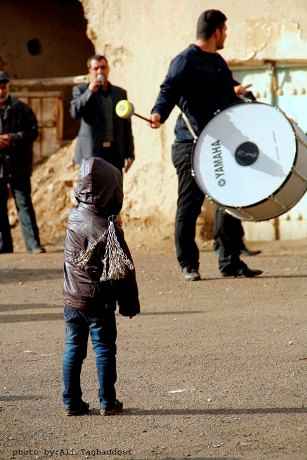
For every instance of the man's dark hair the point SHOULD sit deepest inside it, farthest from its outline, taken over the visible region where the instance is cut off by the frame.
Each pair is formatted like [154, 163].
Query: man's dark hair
[208, 22]
[96, 57]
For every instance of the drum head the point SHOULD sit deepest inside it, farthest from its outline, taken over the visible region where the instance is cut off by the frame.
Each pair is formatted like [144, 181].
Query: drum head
[244, 154]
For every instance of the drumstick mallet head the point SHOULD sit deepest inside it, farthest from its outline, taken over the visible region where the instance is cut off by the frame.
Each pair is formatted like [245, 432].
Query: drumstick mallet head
[125, 109]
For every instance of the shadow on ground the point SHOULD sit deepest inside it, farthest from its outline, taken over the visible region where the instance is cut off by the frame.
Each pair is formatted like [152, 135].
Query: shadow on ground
[224, 412]
[16, 275]
[21, 397]
[27, 306]
[31, 318]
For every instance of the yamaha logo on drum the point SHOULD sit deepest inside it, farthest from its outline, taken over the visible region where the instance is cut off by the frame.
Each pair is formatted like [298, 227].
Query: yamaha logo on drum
[218, 165]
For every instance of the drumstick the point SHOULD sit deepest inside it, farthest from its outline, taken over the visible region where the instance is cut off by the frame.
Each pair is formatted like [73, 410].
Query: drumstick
[125, 109]
[141, 117]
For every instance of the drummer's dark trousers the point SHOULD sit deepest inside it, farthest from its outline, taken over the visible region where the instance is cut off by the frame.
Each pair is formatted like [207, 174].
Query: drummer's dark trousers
[228, 233]
[189, 203]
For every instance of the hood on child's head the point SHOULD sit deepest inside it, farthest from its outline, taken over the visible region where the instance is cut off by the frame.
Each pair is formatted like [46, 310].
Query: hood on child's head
[100, 186]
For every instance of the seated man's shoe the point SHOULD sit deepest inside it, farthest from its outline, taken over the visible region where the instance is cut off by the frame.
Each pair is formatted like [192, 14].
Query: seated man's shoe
[113, 409]
[243, 272]
[249, 252]
[191, 274]
[81, 409]
[38, 250]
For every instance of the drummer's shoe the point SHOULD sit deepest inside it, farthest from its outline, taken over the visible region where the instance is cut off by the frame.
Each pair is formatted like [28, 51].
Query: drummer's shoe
[243, 272]
[190, 274]
[250, 252]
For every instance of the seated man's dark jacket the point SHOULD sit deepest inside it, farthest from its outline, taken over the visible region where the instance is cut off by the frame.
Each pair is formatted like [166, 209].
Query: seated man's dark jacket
[17, 119]
[99, 195]
[87, 106]
[200, 84]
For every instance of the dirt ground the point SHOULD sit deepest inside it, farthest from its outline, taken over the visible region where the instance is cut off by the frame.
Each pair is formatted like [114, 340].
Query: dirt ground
[210, 370]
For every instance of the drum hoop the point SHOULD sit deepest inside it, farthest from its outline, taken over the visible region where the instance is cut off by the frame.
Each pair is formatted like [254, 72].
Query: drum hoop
[286, 179]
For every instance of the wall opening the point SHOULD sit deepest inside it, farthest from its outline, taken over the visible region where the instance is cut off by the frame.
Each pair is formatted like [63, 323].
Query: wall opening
[34, 47]
[45, 40]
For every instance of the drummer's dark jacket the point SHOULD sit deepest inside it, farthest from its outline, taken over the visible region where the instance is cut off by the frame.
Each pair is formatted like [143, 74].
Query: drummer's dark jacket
[88, 107]
[200, 84]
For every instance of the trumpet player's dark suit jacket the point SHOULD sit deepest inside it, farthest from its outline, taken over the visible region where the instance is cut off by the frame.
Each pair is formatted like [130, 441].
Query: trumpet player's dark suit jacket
[90, 109]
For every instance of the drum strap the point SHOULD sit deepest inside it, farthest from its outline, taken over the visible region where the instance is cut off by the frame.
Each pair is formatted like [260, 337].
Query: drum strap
[193, 134]
[189, 126]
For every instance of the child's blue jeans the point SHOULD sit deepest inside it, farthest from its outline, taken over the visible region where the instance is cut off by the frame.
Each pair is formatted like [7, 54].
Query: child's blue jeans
[102, 328]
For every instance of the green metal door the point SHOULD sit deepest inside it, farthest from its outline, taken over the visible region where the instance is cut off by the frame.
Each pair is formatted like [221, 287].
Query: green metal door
[282, 84]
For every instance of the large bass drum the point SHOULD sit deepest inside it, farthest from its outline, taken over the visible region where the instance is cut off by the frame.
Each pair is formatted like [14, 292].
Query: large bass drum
[252, 160]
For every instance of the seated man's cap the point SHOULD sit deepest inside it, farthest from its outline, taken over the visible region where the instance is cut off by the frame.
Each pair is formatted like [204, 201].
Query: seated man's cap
[4, 77]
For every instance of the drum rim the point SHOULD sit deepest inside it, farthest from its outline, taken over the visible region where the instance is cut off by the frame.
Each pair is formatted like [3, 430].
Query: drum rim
[287, 177]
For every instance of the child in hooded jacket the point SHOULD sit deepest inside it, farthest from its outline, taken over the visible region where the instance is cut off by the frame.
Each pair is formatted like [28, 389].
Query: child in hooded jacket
[98, 274]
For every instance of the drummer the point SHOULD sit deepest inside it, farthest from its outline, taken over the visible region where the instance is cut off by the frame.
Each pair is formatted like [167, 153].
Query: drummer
[200, 83]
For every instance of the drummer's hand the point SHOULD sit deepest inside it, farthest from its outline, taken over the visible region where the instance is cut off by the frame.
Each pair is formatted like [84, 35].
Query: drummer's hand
[155, 120]
[241, 90]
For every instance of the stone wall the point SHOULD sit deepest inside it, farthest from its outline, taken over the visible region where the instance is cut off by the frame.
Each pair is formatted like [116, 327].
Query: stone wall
[141, 36]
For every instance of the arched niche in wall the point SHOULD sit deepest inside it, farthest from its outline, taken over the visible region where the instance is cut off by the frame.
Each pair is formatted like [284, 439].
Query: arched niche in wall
[45, 39]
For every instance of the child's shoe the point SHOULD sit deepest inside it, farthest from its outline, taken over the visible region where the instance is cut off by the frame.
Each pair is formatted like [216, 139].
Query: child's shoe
[112, 409]
[81, 409]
